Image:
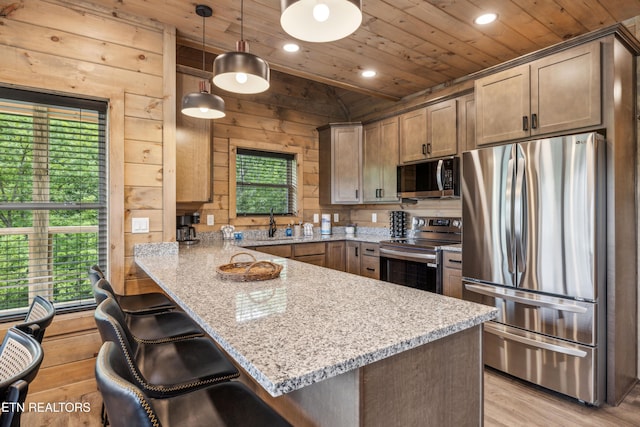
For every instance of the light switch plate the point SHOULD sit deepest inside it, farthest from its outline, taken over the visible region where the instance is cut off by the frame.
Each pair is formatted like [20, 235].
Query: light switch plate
[139, 225]
[210, 220]
[374, 217]
[316, 217]
[336, 217]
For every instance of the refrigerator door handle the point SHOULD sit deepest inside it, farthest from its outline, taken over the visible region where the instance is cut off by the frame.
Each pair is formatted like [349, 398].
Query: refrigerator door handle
[439, 175]
[524, 299]
[509, 215]
[519, 214]
[534, 343]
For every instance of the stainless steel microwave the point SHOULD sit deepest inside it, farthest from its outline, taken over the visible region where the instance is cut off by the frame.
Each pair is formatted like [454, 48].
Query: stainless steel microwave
[431, 179]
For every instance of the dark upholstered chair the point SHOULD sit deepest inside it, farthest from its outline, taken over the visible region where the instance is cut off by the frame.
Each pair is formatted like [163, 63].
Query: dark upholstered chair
[168, 368]
[226, 404]
[20, 359]
[38, 318]
[151, 302]
[155, 327]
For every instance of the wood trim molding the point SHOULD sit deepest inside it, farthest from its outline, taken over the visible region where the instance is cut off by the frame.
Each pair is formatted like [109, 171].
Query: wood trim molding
[169, 136]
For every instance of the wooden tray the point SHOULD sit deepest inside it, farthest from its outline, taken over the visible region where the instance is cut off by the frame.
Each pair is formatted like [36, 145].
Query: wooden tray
[248, 271]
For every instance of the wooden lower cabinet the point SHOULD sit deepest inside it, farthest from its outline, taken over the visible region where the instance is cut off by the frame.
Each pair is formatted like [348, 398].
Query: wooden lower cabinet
[335, 256]
[452, 274]
[353, 257]
[370, 260]
[283, 251]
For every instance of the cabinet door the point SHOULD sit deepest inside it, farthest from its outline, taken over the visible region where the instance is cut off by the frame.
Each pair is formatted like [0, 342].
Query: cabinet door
[442, 129]
[353, 257]
[283, 251]
[312, 259]
[346, 154]
[388, 156]
[502, 106]
[371, 137]
[193, 148]
[566, 90]
[413, 136]
[452, 274]
[466, 123]
[379, 161]
[370, 267]
[335, 255]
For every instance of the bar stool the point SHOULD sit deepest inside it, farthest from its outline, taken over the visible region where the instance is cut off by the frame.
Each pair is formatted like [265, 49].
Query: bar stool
[151, 302]
[152, 328]
[20, 359]
[38, 318]
[167, 368]
[226, 404]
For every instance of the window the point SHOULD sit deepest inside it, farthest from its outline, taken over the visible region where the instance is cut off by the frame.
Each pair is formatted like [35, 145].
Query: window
[264, 181]
[53, 207]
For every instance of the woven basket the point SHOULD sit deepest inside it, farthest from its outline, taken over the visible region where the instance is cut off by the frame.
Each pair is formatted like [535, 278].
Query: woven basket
[248, 271]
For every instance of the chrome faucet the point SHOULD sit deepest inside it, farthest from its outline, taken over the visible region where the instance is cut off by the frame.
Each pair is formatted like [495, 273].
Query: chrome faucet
[272, 224]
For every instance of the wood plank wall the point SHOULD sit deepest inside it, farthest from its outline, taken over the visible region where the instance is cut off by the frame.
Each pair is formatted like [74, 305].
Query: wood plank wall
[75, 48]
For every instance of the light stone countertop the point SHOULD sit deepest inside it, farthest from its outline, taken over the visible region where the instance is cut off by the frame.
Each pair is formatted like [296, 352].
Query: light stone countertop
[311, 323]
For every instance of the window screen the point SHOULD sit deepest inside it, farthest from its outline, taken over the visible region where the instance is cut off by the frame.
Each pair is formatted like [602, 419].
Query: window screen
[53, 207]
[264, 181]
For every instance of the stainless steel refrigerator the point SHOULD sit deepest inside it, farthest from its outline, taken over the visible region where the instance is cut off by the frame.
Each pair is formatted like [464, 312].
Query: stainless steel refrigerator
[534, 246]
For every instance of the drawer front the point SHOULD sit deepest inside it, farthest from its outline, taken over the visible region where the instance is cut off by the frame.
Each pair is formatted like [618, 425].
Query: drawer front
[372, 249]
[312, 259]
[370, 267]
[277, 250]
[452, 260]
[302, 249]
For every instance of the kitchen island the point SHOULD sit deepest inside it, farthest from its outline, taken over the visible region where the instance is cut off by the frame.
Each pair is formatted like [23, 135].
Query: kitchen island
[332, 348]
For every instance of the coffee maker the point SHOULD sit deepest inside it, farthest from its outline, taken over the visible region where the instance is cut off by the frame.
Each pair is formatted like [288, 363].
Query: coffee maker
[185, 231]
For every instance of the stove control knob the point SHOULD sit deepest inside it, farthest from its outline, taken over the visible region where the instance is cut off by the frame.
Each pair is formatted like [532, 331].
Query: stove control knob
[421, 222]
[457, 223]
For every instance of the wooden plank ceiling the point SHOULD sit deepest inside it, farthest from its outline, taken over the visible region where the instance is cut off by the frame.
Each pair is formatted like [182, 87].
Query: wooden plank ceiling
[412, 44]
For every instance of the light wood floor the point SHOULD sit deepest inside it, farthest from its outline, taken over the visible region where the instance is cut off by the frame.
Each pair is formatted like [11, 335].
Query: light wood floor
[508, 402]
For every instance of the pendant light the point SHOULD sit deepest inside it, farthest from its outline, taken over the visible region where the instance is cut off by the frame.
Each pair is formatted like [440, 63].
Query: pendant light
[320, 20]
[241, 71]
[203, 104]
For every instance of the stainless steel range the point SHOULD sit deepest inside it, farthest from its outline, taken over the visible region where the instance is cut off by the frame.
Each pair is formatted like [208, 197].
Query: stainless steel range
[416, 260]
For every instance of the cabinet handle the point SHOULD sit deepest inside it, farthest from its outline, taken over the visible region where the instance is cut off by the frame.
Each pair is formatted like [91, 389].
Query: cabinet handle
[534, 121]
[371, 269]
[377, 193]
[356, 251]
[356, 193]
[424, 149]
[525, 123]
[371, 250]
[381, 193]
[456, 261]
[429, 148]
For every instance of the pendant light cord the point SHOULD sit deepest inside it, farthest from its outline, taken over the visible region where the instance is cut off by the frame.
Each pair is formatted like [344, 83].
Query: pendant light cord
[203, 55]
[241, 19]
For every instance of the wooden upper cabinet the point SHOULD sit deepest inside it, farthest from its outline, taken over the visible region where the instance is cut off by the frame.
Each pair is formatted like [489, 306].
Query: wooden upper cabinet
[193, 148]
[413, 136]
[557, 93]
[340, 164]
[502, 103]
[442, 129]
[566, 90]
[379, 161]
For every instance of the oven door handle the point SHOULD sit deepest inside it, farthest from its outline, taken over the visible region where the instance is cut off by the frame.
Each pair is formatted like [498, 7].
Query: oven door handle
[412, 256]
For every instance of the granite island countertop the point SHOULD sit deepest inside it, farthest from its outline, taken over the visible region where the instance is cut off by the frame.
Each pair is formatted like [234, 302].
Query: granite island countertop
[307, 325]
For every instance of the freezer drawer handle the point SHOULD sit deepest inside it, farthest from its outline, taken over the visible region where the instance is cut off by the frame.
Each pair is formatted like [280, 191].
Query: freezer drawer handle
[542, 345]
[489, 291]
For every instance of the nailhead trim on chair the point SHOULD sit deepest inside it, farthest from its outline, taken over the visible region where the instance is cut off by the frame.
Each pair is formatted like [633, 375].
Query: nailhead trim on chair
[153, 419]
[166, 340]
[161, 389]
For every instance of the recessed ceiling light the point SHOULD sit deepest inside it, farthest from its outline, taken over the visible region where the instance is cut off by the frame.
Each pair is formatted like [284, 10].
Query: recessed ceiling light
[369, 73]
[487, 18]
[291, 47]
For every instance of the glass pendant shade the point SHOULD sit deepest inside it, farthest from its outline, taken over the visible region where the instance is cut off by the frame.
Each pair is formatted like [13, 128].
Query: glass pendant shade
[240, 71]
[320, 20]
[203, 105]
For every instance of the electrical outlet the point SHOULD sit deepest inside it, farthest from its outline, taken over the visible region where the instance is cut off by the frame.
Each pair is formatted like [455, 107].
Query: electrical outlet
[139, 225]
[316, 218]
[336, 217]
[210, 220]
[374, 217]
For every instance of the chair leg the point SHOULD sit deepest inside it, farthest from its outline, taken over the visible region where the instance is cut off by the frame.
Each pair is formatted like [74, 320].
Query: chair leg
[103, 416]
